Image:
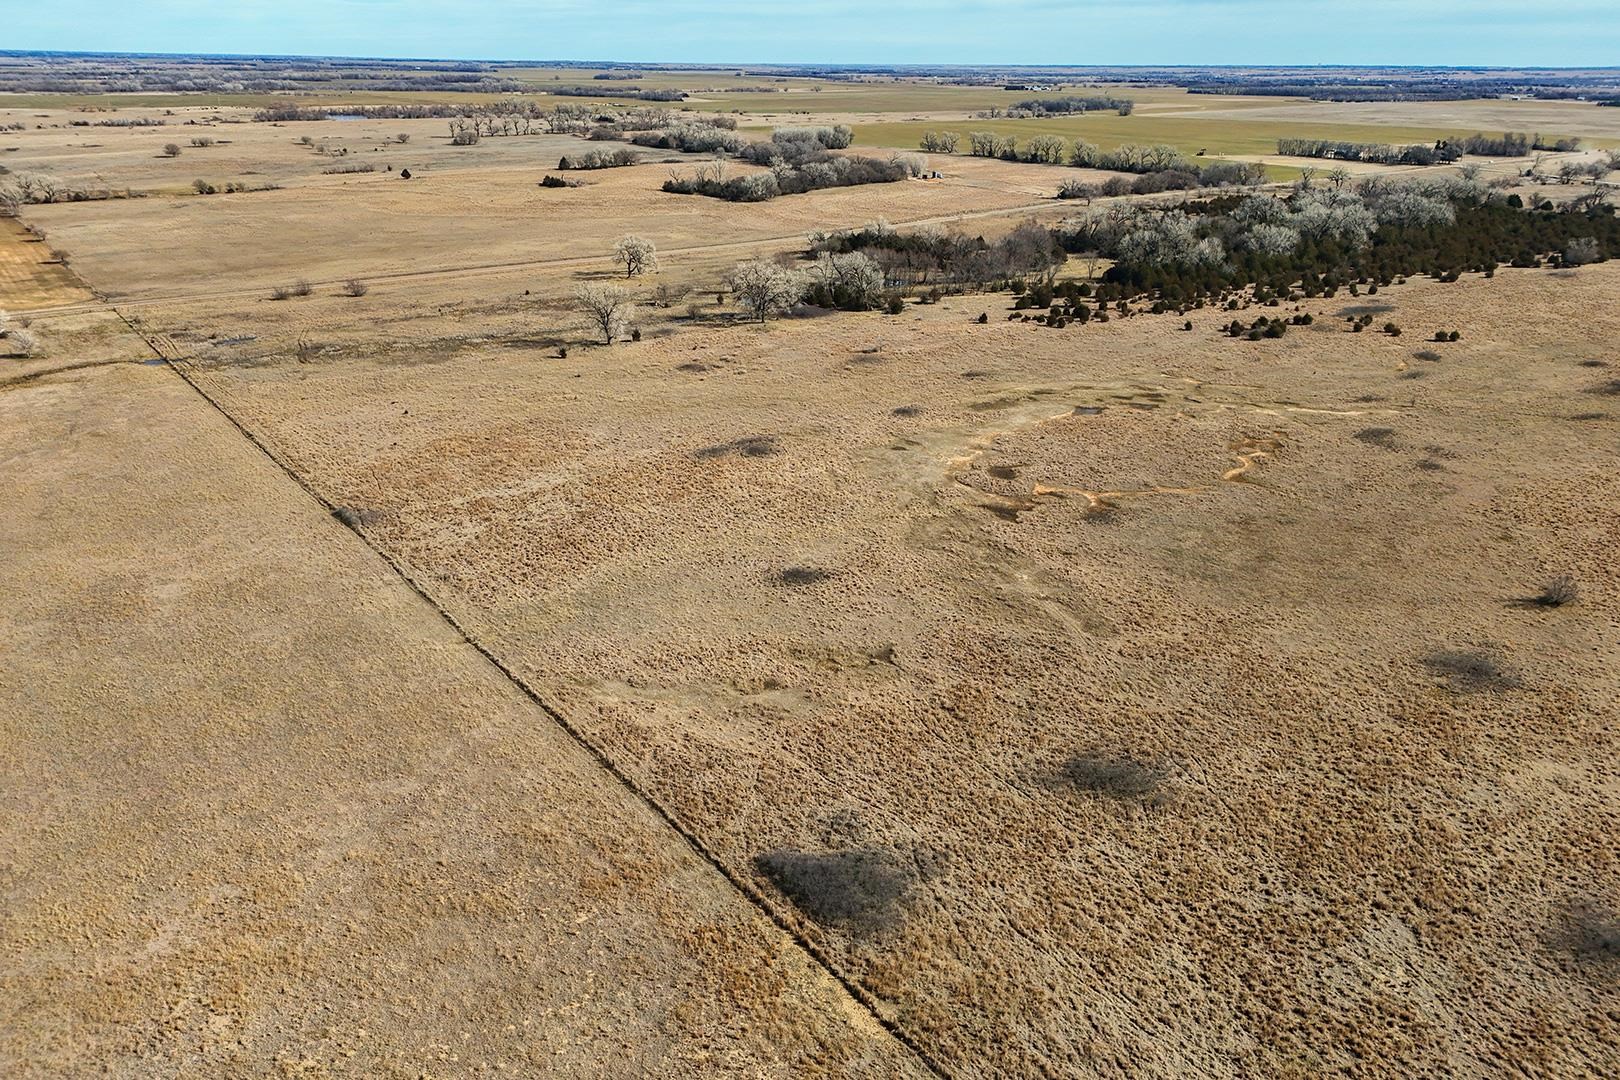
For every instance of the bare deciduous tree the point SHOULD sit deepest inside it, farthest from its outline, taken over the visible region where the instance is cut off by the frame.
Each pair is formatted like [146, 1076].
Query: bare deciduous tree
[607, 306]
[636, 254]
[765, 288]
[1047, 149]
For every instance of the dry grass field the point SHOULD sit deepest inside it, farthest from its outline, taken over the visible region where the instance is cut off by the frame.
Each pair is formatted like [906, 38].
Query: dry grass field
[30, 274]
[849, 695]
[255, 853]
[810, 624]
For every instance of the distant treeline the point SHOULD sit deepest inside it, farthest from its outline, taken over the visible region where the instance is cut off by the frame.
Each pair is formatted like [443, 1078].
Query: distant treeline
[122, 122]
[279, 114]
[1338, 88]
[791, 180]
[634, 95]
[1062, 106]
[800, 161]
[1510, 144]
[1216, 175]
[599, 159]
[1377, 153]
[126, 82]
[1513, 144]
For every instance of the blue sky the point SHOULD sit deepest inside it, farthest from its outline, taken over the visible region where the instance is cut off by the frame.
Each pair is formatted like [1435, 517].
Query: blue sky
[1439, 32]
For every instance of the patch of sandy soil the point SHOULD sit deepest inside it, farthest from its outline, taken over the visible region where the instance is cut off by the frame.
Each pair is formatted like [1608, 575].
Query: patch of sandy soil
[1184, 690]
[264, 813]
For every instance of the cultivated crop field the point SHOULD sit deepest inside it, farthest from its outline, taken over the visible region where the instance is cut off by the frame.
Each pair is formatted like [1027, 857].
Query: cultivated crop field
[404, 682]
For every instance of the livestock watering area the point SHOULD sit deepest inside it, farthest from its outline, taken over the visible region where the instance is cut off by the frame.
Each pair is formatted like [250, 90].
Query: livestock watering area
[520, 580]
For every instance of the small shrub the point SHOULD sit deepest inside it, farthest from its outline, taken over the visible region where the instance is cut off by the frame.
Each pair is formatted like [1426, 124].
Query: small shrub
[171, 150]
[1392, 330]
[1559, 591]
[896, 304]
[301, 288]
[355, 287]
[1582, 250]
[859, 890]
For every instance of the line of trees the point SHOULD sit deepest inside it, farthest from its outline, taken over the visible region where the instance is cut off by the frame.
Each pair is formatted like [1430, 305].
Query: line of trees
[280, 114]
[1514, 144]
[1055, 150]
[599, 159]
[616, 92]
[1376, 153]
[691, 138]
[785, 178]
[1072, 103]
[24, 189]
[1215, 174]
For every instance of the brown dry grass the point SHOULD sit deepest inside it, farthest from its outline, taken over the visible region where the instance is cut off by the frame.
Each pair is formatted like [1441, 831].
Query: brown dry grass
[30, 274]
[935, 566]
[1260, 616]
[266, 814]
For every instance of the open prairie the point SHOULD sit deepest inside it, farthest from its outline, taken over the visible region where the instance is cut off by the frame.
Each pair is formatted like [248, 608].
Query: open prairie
[401, 682]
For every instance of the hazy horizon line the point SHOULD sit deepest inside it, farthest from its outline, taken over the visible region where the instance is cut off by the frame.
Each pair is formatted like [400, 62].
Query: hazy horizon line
[843, 64]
